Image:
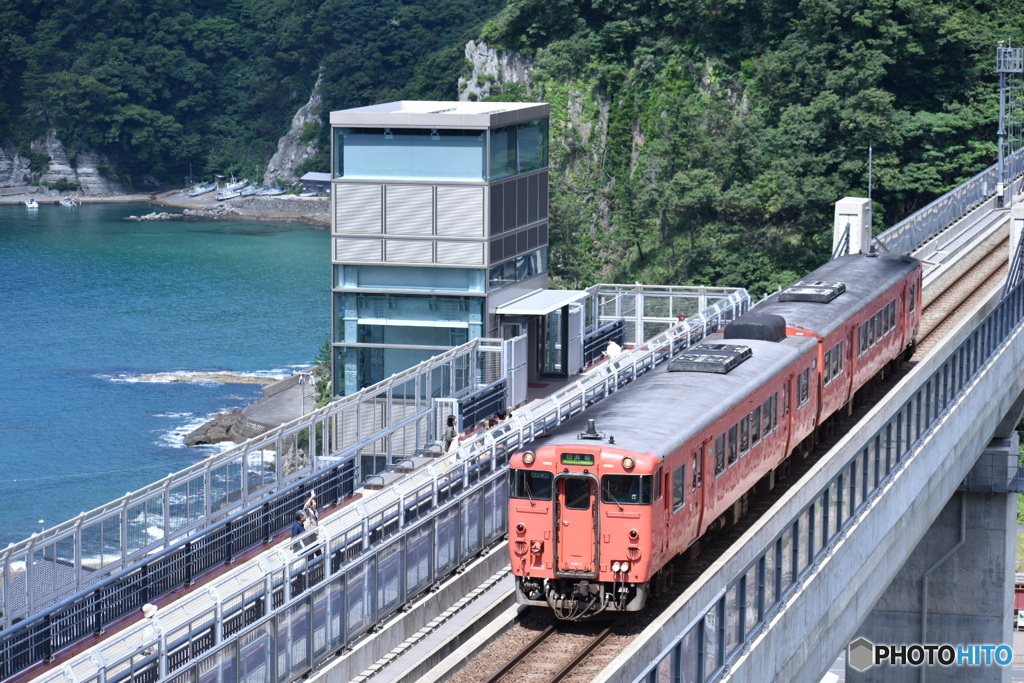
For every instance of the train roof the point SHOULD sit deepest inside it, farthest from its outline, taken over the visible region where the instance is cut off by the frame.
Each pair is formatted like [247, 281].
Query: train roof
[865, 277]
[662, 410]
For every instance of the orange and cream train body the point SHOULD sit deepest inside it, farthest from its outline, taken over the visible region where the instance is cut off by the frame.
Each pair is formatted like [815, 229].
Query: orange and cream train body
[599, 507]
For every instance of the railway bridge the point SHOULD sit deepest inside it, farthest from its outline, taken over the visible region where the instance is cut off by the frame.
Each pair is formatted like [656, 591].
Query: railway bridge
[902, 534]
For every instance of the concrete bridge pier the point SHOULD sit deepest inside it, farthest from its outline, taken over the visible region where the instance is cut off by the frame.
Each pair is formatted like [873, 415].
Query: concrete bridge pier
[956, 587]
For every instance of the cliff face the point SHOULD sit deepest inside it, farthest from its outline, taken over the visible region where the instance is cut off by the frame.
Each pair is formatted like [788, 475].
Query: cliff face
[291, 150]
[491, 67]
[85, 172]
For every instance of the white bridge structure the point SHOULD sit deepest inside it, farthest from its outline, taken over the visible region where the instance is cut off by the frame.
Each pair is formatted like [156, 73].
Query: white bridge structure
[902, 534]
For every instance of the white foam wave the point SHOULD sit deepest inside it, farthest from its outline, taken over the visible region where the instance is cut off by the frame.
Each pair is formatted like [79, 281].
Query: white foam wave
[200, 377]
[175, 436]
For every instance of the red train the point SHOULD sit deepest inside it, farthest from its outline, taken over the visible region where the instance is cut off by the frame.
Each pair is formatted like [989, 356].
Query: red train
[601, 505]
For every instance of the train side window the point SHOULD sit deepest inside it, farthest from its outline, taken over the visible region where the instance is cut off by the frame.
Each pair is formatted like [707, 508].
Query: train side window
[678, 490]
[837, 359]
[862, 338]
[719, 454]
[892, 315]
[913, 297]
[803, 387]
[775, 410]
[625, 489]
[766, 413]
[529, 484]
[657, 486]
[733, 444]
[755, 427]
[827, 367]
[785, 399]
[698, 466]
[744, 435]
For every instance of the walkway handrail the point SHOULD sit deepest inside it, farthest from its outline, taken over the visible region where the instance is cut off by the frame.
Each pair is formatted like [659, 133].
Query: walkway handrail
[922, 225]
[392, 515]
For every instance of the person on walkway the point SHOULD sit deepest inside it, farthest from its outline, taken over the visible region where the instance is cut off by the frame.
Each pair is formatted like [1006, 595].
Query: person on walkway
[150, 636]
[612, 351]
[450, 433]
[309, 509]
[298, 528]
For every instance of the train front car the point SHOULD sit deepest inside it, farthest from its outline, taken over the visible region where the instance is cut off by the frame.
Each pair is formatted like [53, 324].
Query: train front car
[581, 528]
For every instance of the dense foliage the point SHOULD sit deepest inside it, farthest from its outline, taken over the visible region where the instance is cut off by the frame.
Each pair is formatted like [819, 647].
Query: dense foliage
[161, 87]
[708, 141]
[701, 141]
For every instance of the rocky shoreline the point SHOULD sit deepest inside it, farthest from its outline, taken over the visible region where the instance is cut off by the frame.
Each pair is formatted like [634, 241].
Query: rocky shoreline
[308, 210]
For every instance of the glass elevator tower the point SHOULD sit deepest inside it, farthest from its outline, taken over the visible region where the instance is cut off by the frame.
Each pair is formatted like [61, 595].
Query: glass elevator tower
[440, 215]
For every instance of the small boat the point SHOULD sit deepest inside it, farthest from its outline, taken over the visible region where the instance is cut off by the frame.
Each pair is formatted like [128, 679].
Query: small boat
[202, 189]
[236, 184]
[270, 191]
[248, 191]
[31, 203]
[228, 194]
[69, 201]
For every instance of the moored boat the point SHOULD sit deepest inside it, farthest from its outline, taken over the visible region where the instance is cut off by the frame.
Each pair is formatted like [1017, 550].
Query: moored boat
[202, 189]
[31, 203]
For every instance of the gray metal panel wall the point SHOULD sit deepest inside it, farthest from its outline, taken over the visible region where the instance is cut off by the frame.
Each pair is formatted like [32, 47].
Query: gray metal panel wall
[460, 211]
[409, 209]
[409, 251]
[347, 250]
[358, 209]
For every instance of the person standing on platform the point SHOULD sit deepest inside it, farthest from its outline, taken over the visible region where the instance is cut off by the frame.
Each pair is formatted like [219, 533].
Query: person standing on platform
[612, 351]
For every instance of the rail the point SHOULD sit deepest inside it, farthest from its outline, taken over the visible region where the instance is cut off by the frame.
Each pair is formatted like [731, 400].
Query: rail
[921, 226]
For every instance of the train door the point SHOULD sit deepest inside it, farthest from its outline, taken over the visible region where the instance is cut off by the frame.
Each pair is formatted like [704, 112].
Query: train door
[576, 531]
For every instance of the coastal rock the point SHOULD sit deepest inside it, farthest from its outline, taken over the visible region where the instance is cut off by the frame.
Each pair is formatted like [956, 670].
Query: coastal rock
[14, 169]
[84, 171]
[291, 151]
[492, 67]
[223, 427]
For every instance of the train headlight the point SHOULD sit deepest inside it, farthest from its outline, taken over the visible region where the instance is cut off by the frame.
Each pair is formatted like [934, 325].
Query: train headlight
[627, 463]
[615, 567]
[529, 457]
[624, 567]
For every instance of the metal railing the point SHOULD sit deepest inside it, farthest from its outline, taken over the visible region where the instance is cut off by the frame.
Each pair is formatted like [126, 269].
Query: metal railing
[375, 558]
[921, 226]
[739, 614]
[382, 423]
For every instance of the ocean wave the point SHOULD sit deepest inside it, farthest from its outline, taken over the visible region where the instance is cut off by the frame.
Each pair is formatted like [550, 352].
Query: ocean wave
[174, 437]
[202, 377]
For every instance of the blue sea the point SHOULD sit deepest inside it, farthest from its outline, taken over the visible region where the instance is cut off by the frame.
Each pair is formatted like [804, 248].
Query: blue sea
[91, 304]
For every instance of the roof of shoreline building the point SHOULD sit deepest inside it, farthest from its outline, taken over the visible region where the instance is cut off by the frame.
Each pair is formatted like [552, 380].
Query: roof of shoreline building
[435, 114]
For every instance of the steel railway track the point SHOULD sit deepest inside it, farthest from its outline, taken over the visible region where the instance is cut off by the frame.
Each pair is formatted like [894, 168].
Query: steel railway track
[542, 658]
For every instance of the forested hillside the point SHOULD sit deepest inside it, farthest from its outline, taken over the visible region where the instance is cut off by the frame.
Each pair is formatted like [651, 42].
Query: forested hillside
[733, 126]
[157, 85]
[703, 141]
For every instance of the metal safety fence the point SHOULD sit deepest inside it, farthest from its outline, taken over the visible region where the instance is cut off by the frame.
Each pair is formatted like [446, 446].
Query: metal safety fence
[922, 225]
[740, 612]
[275, 617]
[381, 425]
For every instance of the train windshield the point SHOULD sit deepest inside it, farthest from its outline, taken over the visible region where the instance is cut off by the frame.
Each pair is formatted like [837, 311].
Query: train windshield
[529, 484]
[626, 489]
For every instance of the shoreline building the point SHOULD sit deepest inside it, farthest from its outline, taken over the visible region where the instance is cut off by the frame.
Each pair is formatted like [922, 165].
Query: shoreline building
[439, 216]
